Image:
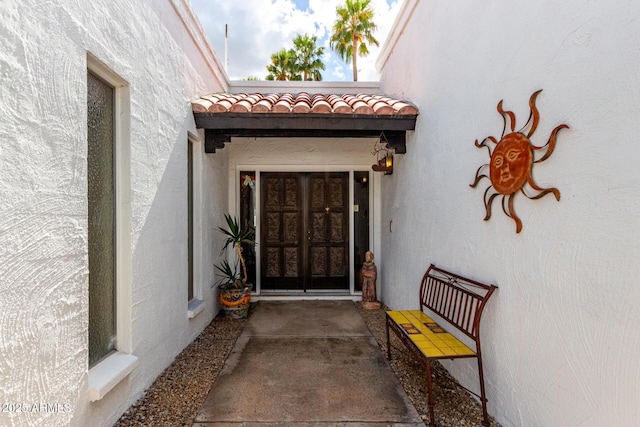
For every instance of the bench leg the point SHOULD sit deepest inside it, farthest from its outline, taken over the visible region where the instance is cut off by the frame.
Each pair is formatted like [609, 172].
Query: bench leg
[432, 418]
[388, 342]
[483, 396]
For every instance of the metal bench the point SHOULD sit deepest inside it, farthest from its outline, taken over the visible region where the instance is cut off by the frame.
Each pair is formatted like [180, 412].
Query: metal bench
[459, 302]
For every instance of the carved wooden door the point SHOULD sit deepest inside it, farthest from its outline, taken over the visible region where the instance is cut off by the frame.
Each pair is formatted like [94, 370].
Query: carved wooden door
[305, 231]
[327, 231]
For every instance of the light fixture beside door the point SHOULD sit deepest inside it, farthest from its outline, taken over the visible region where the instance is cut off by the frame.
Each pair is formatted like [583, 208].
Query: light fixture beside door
[384, 154]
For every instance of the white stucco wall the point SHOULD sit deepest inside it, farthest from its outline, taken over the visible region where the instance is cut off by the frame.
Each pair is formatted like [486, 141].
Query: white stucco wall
[302, 154]
[561, 336]
[43, 204]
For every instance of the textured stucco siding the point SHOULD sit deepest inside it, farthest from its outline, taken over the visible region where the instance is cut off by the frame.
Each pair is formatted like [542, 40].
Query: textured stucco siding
[43, 202]
[562, 333]
[301, 154]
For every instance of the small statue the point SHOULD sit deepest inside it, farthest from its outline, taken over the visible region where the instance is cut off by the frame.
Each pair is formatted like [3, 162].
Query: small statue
[369, 273]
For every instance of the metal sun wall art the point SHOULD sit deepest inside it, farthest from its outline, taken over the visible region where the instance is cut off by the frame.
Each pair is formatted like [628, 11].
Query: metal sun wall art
[511, 162]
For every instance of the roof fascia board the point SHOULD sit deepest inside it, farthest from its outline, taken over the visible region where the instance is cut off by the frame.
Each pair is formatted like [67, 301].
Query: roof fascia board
[216, 139]
[292, 121]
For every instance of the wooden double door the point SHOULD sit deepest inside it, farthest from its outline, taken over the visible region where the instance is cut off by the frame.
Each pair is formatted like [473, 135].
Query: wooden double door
[304, 232]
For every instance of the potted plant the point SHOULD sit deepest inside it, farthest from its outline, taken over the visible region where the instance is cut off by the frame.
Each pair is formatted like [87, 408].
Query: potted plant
[234, 292]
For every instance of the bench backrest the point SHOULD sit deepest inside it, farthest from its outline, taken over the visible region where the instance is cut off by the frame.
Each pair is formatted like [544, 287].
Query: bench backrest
[456, 299]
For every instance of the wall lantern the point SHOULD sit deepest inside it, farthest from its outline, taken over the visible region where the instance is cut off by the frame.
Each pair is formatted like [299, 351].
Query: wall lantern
[384, 155]
[384, 165]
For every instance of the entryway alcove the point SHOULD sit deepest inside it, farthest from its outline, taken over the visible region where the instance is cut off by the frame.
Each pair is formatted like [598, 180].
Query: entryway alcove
[312, 220]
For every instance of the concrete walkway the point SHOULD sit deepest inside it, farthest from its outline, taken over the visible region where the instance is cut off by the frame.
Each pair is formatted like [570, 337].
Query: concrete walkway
[306, 363]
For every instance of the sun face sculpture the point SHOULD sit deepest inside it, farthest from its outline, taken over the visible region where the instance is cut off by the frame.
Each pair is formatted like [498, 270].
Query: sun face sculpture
[512, 161]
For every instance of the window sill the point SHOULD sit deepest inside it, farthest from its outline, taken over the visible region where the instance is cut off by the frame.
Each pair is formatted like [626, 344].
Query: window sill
[107, 374]
[195, 307]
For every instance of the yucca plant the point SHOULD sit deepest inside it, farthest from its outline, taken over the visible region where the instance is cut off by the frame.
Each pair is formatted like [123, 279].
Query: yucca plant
[229, 276]
[236, 237]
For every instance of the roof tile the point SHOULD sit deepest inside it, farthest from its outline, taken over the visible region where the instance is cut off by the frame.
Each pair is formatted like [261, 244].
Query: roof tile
[282, 106]
[321, 106]
[301, 106]
[302, 103]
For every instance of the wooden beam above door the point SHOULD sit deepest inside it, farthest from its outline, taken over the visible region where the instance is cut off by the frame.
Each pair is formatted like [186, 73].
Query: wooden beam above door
[217, 138]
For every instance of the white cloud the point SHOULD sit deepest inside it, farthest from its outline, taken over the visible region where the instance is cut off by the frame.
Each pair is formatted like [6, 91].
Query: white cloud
[258, 28]
[339, 72]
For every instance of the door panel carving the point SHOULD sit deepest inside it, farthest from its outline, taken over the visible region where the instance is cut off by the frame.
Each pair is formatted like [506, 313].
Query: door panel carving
[337, 264]
[337, 229]
[273, 262]
[273, 226]
[318, 261]
[273, 192]
[336, 189]
[318, 233]
[317, 193]
[291, 193]
[291, 227]
[291, 262]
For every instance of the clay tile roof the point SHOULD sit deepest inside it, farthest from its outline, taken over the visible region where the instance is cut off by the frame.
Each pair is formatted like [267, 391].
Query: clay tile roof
[302, 103]
[282, 106]
[321, 106]
[382, 108]
[361, 107]
[338, 105]
[242, 106]
[301, 106]
[262, 106]
[404, 108]
[201, 106]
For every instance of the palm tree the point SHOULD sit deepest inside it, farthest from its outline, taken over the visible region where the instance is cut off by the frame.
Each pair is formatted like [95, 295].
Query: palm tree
[353, 30]
[283, 65]
[308, 57]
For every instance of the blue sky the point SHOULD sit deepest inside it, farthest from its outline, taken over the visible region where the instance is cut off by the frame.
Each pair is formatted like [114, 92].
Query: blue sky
[258, 28]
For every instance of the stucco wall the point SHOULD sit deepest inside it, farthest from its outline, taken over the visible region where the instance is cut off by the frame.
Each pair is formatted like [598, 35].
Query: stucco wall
[43, 207]
[562, 333]
[302, 153]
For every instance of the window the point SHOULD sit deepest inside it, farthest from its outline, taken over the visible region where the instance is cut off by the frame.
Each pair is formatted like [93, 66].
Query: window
[194, 304]
[101, 218]
[248, 219]
[360, 223]
[190, 293]
[109, 229]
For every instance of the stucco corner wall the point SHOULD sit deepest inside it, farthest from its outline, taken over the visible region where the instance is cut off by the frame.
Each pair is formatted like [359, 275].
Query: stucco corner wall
[43, 207]
[560, 336]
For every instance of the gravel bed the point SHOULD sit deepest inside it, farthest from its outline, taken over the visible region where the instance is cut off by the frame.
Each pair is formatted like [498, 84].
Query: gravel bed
[176, 396]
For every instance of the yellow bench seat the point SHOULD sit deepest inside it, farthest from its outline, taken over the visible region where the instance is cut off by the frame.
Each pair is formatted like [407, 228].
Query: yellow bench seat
[429, 337]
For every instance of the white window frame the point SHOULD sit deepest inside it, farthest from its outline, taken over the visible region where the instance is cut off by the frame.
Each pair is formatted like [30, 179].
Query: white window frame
[196, 305]
[117, 365]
